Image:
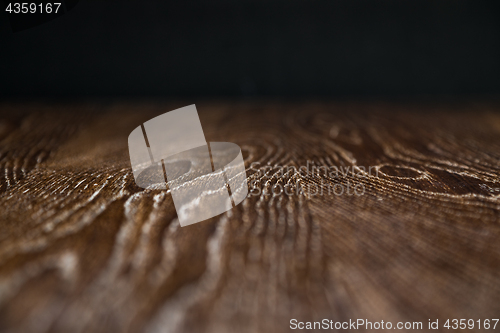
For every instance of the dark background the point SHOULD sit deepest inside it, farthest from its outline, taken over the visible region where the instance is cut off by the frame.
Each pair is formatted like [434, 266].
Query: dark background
[268, 48]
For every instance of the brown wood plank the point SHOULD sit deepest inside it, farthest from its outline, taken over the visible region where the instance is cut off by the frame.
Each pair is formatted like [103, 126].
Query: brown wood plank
[83, 249]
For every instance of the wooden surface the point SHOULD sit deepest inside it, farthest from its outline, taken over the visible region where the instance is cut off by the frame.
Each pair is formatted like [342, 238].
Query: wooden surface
[83, 249]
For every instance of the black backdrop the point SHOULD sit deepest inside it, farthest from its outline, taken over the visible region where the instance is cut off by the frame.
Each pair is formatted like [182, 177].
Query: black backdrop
[233, 48]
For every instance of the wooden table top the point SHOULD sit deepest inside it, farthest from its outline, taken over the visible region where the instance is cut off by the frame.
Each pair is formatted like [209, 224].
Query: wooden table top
[83, 249]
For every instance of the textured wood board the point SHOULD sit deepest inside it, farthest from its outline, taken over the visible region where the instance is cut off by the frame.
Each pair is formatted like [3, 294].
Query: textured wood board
[83, 249]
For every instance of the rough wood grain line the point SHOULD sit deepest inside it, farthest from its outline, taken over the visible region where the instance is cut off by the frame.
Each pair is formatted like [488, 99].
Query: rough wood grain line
[83, 249]
[28, 137]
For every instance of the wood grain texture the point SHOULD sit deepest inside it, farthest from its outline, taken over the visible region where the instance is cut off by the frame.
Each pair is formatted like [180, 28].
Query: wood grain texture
[83, 249]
